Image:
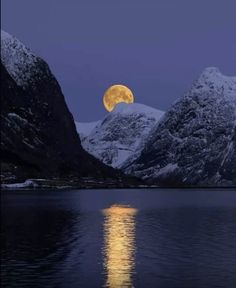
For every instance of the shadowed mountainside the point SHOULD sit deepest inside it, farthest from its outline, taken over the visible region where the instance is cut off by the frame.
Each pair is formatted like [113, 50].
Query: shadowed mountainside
[38, 134]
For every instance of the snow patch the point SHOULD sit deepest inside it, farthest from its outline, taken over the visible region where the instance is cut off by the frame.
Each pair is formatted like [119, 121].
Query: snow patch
[169, 168]
[27, 184]
[16, 116]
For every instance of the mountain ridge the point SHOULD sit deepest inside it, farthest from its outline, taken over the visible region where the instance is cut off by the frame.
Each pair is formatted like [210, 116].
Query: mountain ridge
[195, 142]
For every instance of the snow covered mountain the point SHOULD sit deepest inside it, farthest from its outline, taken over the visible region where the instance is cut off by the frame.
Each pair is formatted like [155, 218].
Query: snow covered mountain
[121, 134]
[195, 142]
[85, 128]
[38, 134]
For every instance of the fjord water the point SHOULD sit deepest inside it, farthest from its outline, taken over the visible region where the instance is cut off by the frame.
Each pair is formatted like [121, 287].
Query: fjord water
[119, 238]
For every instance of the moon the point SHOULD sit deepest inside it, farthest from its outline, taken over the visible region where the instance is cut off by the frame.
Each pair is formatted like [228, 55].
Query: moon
[116, 94]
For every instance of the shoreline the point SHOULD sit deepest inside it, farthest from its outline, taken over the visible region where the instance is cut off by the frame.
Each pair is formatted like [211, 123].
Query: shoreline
[91, 184]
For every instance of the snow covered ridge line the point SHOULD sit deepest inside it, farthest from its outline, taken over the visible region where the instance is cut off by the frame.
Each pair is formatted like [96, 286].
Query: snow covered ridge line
[212, 79]
[19, 61]
[133, 108]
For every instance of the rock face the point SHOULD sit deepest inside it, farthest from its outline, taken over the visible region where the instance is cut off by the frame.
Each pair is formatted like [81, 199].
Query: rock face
[195, 143]
[121, 134]
[38, 134]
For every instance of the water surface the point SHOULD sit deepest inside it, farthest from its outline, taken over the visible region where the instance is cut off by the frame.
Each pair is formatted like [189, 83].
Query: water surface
[119, 238]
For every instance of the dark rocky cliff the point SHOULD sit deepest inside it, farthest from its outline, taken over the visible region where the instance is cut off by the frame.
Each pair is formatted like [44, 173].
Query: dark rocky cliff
[38, 134]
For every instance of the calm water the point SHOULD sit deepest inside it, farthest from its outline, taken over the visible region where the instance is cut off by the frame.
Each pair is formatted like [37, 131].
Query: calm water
[119, 238]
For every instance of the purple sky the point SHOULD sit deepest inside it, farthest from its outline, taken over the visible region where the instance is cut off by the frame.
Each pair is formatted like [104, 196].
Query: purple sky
[156, 47]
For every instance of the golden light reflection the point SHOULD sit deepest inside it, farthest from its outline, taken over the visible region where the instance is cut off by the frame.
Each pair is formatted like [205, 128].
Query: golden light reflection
[119, 245]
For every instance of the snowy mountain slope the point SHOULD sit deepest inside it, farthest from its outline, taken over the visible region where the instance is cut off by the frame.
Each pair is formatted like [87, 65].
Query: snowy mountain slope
[213, 80]
[85, 128]
[19, 61]
[121, 133]
[195, 142]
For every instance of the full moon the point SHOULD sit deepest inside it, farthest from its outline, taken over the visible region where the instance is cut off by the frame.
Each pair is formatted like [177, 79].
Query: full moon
[116, 94]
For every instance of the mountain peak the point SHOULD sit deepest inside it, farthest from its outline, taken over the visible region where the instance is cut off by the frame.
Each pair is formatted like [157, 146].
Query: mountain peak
[134, 108]
[121, 133]
[214, 74]
[212, 80]
[5, 35]
[211, 70]
[19, 61]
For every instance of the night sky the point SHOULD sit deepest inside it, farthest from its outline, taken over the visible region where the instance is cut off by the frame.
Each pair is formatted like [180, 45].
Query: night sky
[156, 47]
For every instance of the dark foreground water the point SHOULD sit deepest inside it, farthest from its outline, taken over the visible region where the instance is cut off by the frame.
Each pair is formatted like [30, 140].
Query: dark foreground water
[119, 238]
